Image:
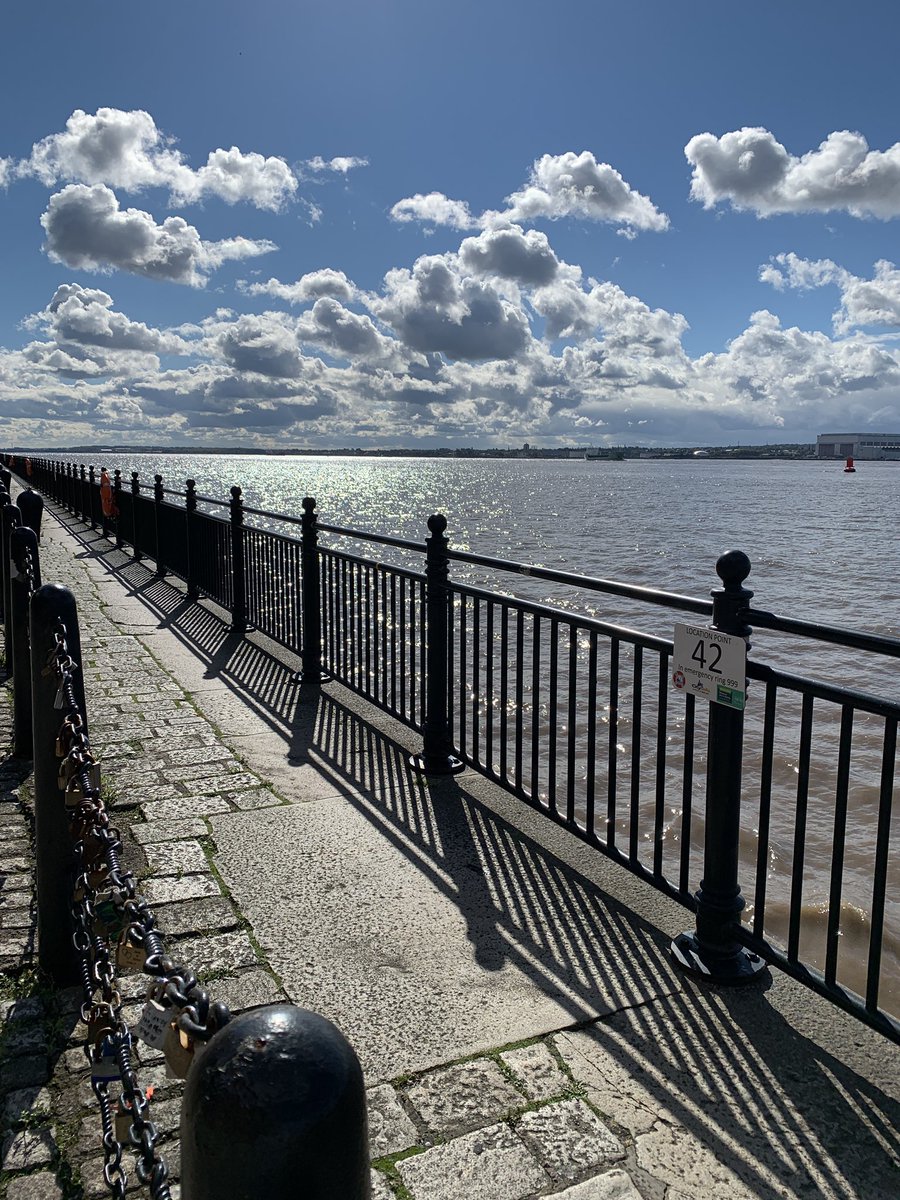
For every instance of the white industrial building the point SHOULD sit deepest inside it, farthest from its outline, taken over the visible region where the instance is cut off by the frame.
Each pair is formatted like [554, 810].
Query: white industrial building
[858, 445]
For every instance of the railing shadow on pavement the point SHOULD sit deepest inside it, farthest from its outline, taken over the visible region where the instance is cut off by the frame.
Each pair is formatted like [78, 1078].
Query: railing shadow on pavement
[767, 1101]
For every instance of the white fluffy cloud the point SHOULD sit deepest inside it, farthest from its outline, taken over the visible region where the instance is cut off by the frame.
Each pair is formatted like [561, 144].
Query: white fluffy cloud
[559, 185]
[311, 286]
[86, 316]
[126, 150]
[511, 253]
[754, 171]
[434, 209]
[576, 185]
[340, 165]
[873, 301]
[436, 308]
[86, 229]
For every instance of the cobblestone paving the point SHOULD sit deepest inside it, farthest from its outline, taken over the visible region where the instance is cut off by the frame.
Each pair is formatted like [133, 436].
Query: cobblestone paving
[508, 1125]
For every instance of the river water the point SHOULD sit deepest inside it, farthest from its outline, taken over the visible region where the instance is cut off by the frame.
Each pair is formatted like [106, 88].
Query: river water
[823, 547]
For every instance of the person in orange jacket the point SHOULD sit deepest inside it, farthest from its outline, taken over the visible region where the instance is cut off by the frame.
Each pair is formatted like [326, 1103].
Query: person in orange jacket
[107, 499]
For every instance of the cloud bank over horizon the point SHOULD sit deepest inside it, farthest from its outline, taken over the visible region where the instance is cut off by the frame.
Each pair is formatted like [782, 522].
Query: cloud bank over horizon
[494, 338]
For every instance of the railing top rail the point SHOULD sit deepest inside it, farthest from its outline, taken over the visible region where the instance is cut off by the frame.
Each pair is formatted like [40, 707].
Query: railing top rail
[588, 583]
[877, 643]
[382, 539]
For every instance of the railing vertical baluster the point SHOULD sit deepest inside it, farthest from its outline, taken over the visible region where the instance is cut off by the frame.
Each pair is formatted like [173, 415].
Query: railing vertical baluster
[535, 708]
[591, 765]
[659, 818]
[238, 582]
[637, 700]
[190, 525]
[712, 951]
[880, 874]
[135, 506]
[765, 811]
[92, 496]
[436, 757]
[117, 511]
[520, 695]
[22, 543]
[572, 719]
[612, 745]
[687, 795]
[838, 844]
[159, 554]
[311, 594]
[503, 764]
[82, 484]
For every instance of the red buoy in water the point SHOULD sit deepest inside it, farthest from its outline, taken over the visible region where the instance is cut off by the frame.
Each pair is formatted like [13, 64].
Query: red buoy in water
[849, 469]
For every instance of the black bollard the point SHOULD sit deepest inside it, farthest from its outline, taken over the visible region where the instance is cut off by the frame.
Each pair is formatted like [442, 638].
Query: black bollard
[275, 1106]
[52, 842]
[31, 505]
[10, 518]
[23, 551]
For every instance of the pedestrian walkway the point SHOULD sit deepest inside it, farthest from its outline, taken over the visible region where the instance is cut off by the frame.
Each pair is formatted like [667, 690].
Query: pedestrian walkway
[507, 989]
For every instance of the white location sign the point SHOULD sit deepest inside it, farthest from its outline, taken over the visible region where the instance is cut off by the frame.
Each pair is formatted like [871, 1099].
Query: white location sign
[710, 665]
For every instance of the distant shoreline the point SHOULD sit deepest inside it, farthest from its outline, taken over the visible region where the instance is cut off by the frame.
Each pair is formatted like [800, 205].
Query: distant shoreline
[797, 452]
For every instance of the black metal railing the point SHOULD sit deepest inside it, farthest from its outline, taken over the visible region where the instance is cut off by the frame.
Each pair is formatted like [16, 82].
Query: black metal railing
[792, 799]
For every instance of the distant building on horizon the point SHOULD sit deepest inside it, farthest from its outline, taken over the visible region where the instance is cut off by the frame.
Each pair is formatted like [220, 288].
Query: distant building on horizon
[858, 445]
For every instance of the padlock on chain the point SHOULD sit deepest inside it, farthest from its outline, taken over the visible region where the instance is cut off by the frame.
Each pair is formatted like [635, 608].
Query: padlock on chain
[153, 1024]
[129, 955]
[70, 728]
[180, 1050]
[104, 1063]
[124, 1121]
[110, 918]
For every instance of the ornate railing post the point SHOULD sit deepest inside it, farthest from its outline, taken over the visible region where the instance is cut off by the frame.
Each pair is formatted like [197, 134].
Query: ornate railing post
[157, 522]
[117, 509]
[23, 552]
[276, 1107]
[437, 743]
[135, 504]
[69, 490]
[311, 594]
[53, 843]
[82, 484]
[238, 579]
[190, 524]
[712, 952]
[92, 496]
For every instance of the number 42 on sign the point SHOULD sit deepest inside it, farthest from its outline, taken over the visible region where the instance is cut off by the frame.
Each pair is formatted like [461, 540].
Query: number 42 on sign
[710, 665]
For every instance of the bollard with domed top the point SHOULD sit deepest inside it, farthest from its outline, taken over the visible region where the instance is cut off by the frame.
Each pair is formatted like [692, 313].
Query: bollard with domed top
[275, 1107]
[53, 853]
[31, 505]
[712, 951]
[11, 518]
[23, 553]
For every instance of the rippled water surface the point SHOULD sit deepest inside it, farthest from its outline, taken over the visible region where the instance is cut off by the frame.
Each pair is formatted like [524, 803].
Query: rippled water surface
[823, 547]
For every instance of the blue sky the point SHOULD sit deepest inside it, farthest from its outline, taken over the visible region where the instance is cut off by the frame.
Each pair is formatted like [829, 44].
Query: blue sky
[474, 224]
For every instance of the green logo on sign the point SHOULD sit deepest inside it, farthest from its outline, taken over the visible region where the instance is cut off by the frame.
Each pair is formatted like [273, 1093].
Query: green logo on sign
[730, 696]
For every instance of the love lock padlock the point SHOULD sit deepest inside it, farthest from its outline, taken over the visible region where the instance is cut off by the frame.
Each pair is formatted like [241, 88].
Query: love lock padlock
[124, 1122]
[179, 1050]
[129, 955]
[153, 1024]
[109, 917]
[70, 767]
[104, 1064]
[71, 726]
